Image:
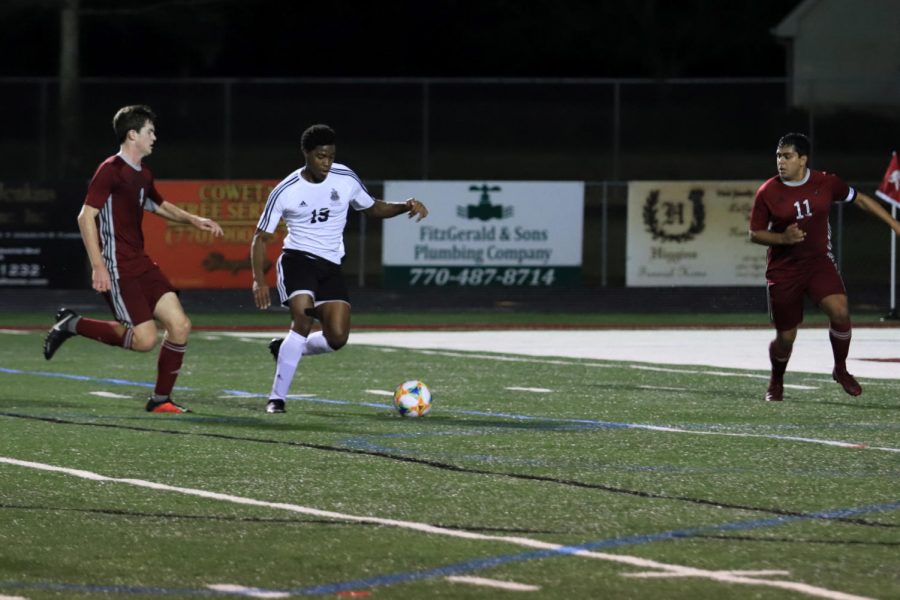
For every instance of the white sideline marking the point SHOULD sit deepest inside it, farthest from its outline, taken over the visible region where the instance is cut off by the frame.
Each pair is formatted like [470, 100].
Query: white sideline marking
[12, 597]
[657, 574]
[530, 389]
[13, 332]
[742, 349]
[494, 583]
[108, 395]
[231, 588]
[379, 392]
[786, 438]
[720, 374]
[625, 559]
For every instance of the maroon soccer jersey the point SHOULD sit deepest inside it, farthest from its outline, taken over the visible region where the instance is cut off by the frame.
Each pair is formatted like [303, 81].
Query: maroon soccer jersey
[122, 193]
[807, 203]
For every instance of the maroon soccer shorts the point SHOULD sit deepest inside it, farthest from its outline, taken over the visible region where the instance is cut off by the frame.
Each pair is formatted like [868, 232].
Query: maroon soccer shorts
[133, 299]
[788, 287]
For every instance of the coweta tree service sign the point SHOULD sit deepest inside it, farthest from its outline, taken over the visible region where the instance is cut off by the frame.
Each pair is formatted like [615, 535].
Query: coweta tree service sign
[692, 234]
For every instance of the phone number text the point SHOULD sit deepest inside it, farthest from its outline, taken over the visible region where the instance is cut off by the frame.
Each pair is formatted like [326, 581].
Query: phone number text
[482, 276]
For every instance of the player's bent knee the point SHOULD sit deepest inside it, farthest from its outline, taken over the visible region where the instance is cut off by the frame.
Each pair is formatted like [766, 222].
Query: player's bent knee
[143, 343]
[181, 328]
[337, 340]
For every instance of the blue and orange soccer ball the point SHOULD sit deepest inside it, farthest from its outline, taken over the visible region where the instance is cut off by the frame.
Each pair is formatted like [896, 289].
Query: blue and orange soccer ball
[412, 399]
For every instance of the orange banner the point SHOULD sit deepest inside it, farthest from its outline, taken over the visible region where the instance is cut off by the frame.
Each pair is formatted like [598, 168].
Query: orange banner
[192, 258]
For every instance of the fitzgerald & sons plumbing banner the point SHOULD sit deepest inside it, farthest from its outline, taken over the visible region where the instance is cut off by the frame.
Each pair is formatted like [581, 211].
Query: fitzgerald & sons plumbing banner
[192, 258]
[477, 233]
[692, 233]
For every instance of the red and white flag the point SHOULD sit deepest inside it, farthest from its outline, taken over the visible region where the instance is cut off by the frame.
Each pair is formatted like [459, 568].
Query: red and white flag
[889, 190]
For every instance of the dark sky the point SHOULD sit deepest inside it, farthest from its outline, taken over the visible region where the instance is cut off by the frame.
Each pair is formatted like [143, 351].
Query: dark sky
[300, 38]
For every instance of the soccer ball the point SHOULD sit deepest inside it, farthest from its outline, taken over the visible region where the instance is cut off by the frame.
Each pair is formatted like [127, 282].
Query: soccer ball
[412, 399]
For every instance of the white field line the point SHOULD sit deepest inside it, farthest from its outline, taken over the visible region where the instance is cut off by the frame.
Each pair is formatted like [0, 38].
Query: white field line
[717, 374]
[108, 395]
[231, 588]
[13, 332]
[739, 349]
[786, 438]
[379, 392]
[536, 390]
[658, 575]
[494, 583]
[634, 561]
[12, 597]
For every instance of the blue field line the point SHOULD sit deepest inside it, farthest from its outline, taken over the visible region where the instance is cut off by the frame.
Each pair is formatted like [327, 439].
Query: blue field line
[495, 561]
[705, 429]
[112, 381]
[478, 564]
[477, 413]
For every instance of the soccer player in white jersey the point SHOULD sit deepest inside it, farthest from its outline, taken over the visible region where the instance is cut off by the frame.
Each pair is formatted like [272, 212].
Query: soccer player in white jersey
[314, 202]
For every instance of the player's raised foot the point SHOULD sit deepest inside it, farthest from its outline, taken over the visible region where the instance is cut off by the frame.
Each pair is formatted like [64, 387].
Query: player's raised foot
[165, 406]
[775, 393]
[847, 381]
[275, 346]
[275, 406]
[59, 332]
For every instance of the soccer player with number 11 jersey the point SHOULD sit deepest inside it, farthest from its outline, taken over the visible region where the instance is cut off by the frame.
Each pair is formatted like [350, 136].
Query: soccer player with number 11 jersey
[790, 216]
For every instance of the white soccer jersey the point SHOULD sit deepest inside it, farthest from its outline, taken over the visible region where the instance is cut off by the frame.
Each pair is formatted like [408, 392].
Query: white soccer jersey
[315, 213]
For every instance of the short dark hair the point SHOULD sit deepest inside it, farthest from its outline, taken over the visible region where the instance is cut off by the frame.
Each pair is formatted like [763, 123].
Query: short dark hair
[798, 140]
[317, 135]
[131, 117]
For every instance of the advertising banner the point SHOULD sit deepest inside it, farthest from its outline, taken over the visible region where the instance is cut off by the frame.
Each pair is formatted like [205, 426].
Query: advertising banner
[692, 233]
[40, 245]
[192, 258]
[499, 233]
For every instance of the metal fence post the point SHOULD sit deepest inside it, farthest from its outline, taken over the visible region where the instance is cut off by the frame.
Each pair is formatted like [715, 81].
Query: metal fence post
[426, 132]
[226, 128]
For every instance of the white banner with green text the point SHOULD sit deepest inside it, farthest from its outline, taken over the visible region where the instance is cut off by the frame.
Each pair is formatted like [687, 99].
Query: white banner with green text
[485, 233]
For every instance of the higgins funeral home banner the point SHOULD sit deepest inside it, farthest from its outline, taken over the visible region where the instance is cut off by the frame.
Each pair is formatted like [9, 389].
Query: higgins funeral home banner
[192, 258]
[692, 234]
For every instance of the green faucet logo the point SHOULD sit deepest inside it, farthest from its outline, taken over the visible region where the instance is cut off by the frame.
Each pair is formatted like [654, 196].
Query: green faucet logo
[484, 210]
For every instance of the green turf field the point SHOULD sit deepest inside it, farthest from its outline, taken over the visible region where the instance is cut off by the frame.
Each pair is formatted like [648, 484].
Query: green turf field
[616, 483]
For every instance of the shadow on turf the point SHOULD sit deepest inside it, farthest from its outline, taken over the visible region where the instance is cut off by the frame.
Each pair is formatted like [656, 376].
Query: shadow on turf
[259, 520]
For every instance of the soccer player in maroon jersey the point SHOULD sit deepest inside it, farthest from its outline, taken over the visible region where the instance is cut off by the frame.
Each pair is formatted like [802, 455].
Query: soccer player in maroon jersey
[132, 284]
[790, 216]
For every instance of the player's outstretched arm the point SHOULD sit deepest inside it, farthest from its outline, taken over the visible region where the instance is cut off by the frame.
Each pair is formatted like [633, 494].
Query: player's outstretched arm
[179, 215]
[873, 207]
[257, 263]
[386, 210]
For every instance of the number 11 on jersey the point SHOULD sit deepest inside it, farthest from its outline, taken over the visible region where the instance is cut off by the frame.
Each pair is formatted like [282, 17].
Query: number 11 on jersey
[800, 214]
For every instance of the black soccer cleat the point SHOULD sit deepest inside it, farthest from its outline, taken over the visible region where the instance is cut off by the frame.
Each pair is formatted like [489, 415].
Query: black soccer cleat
[58, 333]
[275, 346]
[165, 406]
[275, 406]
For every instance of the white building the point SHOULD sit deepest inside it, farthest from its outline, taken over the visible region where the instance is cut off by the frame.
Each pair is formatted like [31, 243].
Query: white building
[843, 53]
